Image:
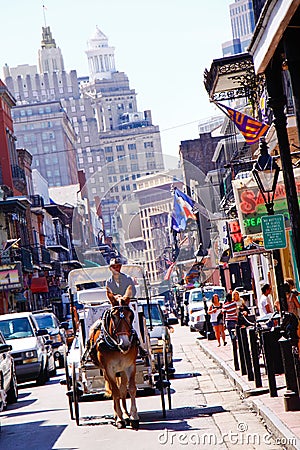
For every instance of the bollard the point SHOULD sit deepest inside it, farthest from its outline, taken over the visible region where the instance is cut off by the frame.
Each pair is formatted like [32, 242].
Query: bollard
[241, 351]
[291, 396]
[235, 353]
[267, 339]
[255, 356]
[248, 362]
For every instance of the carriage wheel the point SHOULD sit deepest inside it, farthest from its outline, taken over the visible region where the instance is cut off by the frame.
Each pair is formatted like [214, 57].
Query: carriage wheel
[68, 381]
[75, 395]
[166, 366]
[160, 385]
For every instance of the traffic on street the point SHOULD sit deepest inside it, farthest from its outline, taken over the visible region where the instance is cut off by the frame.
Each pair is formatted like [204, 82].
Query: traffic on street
[206, 412]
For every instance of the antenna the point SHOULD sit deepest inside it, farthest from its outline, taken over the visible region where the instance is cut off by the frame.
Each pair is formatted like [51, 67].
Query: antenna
[44, 14]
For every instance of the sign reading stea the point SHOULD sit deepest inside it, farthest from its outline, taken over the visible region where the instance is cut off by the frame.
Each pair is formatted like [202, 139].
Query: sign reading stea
[273, 231]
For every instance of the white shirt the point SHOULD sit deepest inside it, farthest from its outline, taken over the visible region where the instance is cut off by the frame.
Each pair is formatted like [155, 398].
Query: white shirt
[265, 300]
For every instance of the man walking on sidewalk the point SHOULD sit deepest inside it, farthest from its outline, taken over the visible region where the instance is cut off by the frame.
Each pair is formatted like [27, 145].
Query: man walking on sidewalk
[231, 315]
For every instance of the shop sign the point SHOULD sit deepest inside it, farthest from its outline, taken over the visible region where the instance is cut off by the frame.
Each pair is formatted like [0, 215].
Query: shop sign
[251, 206]
[11, 276]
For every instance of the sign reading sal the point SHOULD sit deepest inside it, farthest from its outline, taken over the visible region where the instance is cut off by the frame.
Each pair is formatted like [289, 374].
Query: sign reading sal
[250, 203]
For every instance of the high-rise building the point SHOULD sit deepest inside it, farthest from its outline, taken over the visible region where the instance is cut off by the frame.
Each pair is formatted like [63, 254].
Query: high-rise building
[242, 25]
[115, 143]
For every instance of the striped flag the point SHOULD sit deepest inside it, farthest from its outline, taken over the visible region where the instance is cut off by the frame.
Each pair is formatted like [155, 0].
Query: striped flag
[182, 210]
[169, 271]
[251, 129]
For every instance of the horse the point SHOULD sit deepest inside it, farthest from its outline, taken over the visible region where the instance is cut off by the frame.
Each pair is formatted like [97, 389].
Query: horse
[113, 347]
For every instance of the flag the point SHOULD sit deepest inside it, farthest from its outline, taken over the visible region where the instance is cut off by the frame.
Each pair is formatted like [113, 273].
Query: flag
[182, 210]
[169, 271]
[263, 106]
[251, 129]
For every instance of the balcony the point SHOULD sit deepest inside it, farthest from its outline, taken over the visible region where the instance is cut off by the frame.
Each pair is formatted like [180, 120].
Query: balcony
[36, 201]
[18, 175]
[46, 257]
[25, 256]
[57, 243]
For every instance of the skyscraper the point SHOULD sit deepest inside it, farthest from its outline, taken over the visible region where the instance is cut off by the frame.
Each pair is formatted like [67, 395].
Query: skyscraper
[115, 143]
[242, 25]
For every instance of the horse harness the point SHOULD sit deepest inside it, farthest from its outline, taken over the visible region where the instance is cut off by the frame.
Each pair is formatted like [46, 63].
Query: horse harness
[105, 340]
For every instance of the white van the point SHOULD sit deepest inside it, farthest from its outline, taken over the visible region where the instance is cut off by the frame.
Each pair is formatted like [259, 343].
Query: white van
[199, 300]
[29, 351]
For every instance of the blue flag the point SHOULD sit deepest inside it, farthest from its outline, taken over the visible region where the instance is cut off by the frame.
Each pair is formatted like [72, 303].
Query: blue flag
[182, 210]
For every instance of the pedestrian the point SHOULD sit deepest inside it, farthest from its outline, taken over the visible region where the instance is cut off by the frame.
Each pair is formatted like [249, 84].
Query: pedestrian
[217, 319]
[243, 312]
[265, 305]
[236, 298]
[293, 305]
[231, 315]
[119, 283]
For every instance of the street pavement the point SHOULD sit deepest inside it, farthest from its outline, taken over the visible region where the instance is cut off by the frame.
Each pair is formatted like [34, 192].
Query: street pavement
[207, 412]
[285, 425]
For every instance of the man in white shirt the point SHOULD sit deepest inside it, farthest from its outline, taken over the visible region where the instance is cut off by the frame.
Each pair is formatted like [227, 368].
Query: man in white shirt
[265, 305]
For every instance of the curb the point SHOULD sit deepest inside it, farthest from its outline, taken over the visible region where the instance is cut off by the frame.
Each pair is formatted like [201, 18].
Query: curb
[281, 432]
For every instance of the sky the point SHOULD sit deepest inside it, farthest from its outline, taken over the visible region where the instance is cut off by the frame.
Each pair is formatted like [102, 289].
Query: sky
[163, 46]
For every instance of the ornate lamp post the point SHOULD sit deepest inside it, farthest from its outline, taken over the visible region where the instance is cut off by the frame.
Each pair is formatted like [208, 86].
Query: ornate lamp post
[266, 172]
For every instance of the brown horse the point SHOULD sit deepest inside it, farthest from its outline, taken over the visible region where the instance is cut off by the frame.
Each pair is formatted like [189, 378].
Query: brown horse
[113, 347]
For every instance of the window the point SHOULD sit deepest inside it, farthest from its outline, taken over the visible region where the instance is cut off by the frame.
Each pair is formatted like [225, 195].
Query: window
[120, 148]
[90, 159]
[123, 169]
[149, 154]
[108, 149]
[86, 139]
[91, 169]
[133, 156]
[94, 190]
[148, 144]
[109, 158]
[131, 146]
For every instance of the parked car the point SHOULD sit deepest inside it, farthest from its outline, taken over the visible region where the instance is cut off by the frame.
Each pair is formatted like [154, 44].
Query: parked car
[8, 379]
[199, 299]
[160, 332]
[162, 303]
[49, 321]
[29, 348]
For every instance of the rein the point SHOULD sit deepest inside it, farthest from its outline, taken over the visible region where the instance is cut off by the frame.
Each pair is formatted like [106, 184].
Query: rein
[110, 339]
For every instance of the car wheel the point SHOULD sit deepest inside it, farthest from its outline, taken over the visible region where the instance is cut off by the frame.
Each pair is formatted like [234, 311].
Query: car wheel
[61, 362]
[12, 393]
[43, 376]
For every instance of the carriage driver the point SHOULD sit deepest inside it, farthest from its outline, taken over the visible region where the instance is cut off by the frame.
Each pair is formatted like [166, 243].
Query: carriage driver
[121, 284]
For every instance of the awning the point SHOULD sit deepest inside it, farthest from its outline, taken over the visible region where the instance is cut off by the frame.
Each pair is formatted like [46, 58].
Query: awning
[39, 285]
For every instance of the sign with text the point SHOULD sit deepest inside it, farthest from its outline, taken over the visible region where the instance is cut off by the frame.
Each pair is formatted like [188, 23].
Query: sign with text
[273, 229]
[11, 276]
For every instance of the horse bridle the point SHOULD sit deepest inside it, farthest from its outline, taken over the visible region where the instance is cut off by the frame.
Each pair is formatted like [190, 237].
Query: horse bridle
[110, 339]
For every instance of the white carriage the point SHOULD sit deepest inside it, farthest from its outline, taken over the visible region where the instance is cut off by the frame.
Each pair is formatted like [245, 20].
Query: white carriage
[87, 288]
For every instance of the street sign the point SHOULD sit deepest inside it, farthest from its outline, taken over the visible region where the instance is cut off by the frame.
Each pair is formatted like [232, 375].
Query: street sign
[273, 231]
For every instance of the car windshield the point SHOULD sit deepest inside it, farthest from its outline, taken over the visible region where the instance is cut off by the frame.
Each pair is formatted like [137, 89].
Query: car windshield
[16, 328]
[207, 294]
[46, 322]
[155, 315]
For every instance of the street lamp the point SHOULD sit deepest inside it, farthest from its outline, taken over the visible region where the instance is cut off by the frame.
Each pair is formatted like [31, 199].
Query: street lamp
[266, 172]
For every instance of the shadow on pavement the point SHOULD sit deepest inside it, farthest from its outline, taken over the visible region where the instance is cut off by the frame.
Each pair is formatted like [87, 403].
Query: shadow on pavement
[154, 420]
[42, 437]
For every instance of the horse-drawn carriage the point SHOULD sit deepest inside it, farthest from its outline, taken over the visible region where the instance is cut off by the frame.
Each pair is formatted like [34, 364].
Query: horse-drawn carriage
[98, 340]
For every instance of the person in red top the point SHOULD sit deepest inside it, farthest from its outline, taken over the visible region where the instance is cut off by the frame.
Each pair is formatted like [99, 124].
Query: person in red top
[231, 315]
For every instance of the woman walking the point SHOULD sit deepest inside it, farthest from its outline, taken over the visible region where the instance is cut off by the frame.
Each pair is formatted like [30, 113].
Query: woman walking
[216, 318]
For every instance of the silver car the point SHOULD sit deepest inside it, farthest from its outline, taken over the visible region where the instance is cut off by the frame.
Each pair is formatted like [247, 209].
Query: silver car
[8, 379]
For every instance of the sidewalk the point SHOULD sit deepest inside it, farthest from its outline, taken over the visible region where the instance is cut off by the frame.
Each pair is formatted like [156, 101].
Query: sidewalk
[284, 424]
